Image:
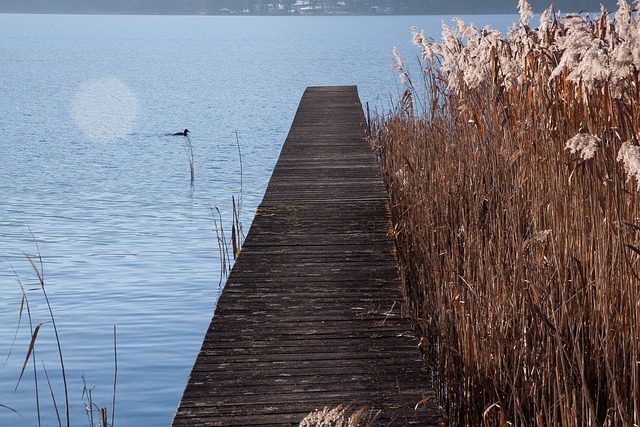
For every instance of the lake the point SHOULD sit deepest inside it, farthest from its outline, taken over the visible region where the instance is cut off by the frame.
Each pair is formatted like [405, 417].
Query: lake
[91, 172]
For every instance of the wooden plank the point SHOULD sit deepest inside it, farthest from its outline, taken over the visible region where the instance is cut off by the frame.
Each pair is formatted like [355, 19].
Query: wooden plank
[311, 315]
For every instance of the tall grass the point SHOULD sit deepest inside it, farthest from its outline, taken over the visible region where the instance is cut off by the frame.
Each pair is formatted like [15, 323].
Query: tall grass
[37, 266]
[513, 165]
[229, 249]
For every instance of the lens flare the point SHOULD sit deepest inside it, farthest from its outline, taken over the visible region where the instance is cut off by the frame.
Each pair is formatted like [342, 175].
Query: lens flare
[104, 109]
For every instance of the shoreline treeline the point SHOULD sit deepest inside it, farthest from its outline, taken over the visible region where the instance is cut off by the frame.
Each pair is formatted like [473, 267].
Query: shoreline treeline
[286, 7]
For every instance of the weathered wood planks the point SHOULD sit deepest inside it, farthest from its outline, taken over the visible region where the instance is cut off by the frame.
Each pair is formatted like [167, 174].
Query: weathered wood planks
[311, 314]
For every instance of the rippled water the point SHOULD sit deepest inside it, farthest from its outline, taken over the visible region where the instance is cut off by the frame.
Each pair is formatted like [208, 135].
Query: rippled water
[125, 238]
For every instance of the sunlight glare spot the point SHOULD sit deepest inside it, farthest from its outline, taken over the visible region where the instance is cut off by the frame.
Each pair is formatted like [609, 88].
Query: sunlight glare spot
[104, 109]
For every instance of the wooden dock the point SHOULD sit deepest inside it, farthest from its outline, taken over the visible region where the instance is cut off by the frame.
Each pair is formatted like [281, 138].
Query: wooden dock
[311, 314]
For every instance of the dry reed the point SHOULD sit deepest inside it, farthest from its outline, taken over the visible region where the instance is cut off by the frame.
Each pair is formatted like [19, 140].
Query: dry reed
[341, 416]
[188, 147]
[513, 168]
[37, 266]
[228, 248]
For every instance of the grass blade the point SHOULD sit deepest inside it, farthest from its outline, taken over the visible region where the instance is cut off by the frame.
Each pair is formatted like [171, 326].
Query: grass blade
[53, 396]
[115, 376]
[32, 344]
[11, 409]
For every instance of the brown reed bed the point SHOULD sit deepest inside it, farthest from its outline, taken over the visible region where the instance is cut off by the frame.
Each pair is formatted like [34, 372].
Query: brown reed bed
[513, 167]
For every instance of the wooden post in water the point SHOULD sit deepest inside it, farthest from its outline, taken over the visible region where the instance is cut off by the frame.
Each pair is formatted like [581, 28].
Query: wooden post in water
[311, 314]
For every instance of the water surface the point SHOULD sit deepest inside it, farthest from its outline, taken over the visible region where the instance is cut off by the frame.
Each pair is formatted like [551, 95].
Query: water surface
[125, 238]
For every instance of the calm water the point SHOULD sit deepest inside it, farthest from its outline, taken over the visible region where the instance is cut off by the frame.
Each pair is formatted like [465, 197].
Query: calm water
[124, 237]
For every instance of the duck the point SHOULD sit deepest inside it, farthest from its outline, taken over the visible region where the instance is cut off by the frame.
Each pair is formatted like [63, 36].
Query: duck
[183, 133]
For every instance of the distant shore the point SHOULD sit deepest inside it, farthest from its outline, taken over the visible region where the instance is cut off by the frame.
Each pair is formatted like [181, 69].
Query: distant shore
[294, 8]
